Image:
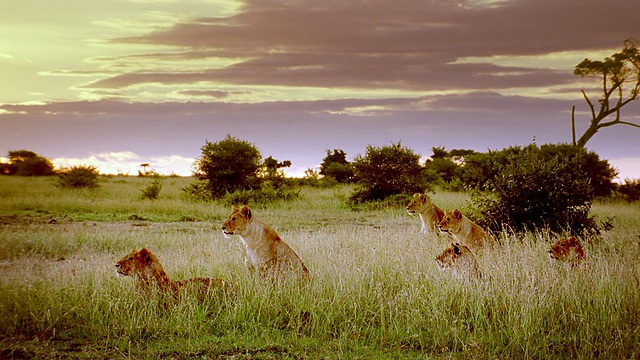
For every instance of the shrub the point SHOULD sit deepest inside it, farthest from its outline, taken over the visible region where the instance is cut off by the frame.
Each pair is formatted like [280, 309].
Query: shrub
[198, 190]
[267, 193]
[533, 192]
[630, 190]
[386, 171]
[28, 163]
[335, 166]
[79, 177]
[228, 165]
[152, 191]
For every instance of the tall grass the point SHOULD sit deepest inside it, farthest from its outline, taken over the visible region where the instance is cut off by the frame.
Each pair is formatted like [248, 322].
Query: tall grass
[376, 290]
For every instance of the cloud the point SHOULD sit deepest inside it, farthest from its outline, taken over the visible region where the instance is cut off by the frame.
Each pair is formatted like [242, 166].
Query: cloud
[414, 44]
[129, 163]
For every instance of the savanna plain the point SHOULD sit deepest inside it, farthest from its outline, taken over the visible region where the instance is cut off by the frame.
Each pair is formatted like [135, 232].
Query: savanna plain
[376, 290]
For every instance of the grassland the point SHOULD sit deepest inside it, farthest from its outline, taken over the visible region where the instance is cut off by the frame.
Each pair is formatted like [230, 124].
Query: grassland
[376, 293]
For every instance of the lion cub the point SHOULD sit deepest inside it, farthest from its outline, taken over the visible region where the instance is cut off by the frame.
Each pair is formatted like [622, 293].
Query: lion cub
[264, 251]
[146, 267]
[464, 230]
[461, 261]
[429, 213]
[568, 250]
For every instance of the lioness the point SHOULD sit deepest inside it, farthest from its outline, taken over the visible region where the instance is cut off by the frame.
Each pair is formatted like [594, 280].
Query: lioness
[429, 213]
[264, 251]
[460, 260]
[568, 250]
[146, 267]
[464, 230]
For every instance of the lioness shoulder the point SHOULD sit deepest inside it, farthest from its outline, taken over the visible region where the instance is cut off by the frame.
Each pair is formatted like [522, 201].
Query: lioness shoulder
[460, 261]
[430, 214]
[264, 251]
[465, 231]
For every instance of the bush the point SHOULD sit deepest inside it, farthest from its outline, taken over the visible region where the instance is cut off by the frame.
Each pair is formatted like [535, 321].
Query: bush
[28, 163]
[534, 192]
[335, 166]
[198, 190]
[228, 165]
[79, 177]
[152, 191]
[630, 190]
[267, 193]
[386, 171]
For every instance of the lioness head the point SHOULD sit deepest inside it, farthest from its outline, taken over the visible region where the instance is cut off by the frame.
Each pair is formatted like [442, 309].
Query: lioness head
[451, 221]
[418, 203]
[569, 250]
[237, 222]
[137, 263]
[450, 255]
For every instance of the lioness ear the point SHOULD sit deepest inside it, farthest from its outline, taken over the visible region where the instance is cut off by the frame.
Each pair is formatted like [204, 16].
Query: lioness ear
[457, 214]
[246, 212]
[416, 195]
[145, 255]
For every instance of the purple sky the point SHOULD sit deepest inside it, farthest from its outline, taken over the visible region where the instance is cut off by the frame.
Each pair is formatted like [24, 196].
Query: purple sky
[127, 82]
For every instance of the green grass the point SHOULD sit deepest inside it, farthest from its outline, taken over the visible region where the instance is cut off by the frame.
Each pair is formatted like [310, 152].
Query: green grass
[376, 291]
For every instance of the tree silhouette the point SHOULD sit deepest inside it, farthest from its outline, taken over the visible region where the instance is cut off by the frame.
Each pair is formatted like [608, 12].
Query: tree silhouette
[620, 70]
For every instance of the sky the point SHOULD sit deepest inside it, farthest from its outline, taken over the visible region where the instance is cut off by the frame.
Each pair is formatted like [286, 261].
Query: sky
[119, 83]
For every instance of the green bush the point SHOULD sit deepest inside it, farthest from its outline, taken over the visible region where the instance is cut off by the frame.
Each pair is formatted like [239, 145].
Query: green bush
[152, 191]
[265, 194]
[386, 171]
[228, 165]
[198, 190]
[79, 177]
[534, 192]
[335, 166]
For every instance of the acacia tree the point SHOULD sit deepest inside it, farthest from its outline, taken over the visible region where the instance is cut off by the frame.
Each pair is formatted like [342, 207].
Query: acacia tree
[620, 70]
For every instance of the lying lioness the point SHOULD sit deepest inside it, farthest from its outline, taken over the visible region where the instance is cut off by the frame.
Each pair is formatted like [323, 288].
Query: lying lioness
[147, 269]
[460, 261]
[569, 251]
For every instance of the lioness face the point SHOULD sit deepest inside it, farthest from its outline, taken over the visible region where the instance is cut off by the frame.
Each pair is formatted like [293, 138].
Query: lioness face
[568, 249]
[419, 202]
[451, 221]
[236, 222]
[134, 263]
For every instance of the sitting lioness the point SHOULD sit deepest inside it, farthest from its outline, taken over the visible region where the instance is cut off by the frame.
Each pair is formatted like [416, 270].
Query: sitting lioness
[568, 250]
[264, 251]
[429, 213]
[145, 266]
[464, 230]
[460, 260]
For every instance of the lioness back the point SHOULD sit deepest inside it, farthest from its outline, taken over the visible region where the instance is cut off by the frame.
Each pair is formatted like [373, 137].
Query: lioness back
[265, 252]
[460, 260]
[430, 214]
[465, 231]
